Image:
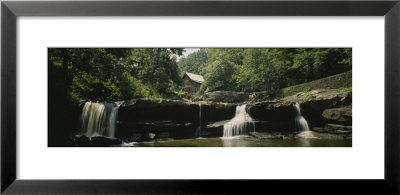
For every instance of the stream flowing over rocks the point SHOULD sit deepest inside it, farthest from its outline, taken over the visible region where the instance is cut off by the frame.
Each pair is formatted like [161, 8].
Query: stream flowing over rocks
[318, 107]
[326, 111]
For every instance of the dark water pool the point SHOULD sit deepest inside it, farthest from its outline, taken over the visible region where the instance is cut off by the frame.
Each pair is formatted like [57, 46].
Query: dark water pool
[313, 140]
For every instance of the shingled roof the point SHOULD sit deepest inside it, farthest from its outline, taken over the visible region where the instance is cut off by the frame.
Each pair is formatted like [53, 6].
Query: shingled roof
[195, 77]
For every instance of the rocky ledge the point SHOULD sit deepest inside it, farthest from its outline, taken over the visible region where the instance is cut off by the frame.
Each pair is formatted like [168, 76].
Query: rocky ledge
[225, 96]
[319, 107]
[327, 111]
[153, 109]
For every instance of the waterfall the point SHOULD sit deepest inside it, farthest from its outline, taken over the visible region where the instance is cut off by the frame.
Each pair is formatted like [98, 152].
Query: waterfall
[198, 130]
[99, 119]
[300, 121]
[239, 124]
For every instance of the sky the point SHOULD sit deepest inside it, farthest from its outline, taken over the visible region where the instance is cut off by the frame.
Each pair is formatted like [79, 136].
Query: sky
[188, 51]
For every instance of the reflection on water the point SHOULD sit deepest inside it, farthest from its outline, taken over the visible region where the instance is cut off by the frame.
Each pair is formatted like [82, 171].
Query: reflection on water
[317, 140]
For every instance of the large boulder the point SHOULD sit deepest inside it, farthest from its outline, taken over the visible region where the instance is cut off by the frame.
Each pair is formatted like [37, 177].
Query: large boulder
[226, 96]
[212, 112]
[272, 110]
[279, 114]
[313, 103]
[339, 115]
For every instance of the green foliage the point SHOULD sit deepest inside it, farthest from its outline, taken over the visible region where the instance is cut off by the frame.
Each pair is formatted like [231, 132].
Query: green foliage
[265, 69]
[222, 65]
[130, 87]
[306, 88]
[156, 67]
[108, 74]
[219, 73]
[194, 62]
[104, 74]
[88, 87]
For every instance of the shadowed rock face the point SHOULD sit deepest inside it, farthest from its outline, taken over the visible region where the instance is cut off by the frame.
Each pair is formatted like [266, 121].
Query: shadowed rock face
[151, 119]
[279, 114]
[272, 110]
[150, 109]
[179, 119]
[318, 107]
[312, 103]
[339, 115]
[163, 128]
[168, 118]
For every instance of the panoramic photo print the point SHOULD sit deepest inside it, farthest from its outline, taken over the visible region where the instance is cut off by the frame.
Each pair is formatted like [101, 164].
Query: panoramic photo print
[199, 97]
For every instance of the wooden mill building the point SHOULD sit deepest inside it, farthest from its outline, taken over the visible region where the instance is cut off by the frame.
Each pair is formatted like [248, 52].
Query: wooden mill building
[191, 82]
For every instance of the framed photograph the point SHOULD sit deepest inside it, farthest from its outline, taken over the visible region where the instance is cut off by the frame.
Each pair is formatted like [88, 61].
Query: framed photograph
[172, 96]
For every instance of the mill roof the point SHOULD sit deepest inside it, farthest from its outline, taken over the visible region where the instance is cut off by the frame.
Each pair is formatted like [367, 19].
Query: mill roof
[195, 77]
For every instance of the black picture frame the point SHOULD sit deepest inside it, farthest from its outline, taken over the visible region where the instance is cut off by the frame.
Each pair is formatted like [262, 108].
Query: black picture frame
[10, 10]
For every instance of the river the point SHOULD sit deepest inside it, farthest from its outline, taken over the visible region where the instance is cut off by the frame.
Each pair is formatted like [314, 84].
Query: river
[250, 141]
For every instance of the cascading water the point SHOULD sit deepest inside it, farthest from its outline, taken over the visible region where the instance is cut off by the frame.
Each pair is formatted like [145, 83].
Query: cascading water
[240, 124]
[198, 130]
[300, 121]
[99, 119]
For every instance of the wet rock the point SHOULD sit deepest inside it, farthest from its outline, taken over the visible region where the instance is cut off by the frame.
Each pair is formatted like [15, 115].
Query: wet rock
[263, 135]
[162, 135]
[337, 127]
[104, 141]
[214, 129]
[334, 129]
[80, 140]
[217, 124]
[149, 136]
[159, 129]
[97, 141]
[133, 138]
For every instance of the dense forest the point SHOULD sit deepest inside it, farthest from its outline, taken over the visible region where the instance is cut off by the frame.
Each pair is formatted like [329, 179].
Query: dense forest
[101, 74]
[266, 70]
[107, 74]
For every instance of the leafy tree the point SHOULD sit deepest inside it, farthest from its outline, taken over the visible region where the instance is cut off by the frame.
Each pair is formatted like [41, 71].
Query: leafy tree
[265, 69]
[106, 74]
[220, 69]
[194, 62]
